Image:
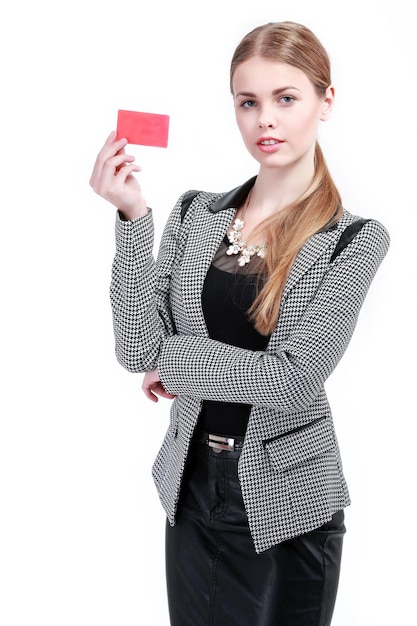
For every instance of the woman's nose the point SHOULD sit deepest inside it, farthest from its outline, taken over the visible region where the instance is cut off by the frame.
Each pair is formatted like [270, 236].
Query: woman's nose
[266, 120]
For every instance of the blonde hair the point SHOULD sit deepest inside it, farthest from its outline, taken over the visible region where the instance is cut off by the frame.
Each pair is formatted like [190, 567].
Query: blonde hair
[321, 205]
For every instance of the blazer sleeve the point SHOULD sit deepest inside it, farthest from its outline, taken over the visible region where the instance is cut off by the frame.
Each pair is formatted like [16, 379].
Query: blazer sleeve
[139, 289]
[290, 379]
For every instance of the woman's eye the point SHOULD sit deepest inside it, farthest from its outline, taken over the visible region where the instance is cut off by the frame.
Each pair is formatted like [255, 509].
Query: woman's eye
[247, 104]
[286, 99]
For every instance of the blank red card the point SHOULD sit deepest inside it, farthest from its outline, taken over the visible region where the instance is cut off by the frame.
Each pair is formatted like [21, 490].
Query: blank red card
[145, 129]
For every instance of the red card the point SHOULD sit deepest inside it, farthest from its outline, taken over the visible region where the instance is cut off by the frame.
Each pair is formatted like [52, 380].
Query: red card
[146, 129]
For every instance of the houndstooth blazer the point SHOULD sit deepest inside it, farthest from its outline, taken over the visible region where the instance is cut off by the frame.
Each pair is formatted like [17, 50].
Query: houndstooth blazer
[290, 468]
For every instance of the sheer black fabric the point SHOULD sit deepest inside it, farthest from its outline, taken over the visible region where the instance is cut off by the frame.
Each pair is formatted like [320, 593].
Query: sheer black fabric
[228, 293]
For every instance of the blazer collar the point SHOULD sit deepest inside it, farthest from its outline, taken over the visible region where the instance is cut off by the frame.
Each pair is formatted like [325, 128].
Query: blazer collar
[237, 196]
[233, 198]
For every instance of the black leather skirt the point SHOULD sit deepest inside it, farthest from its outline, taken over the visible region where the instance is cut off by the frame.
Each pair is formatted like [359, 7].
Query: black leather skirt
[214, 575]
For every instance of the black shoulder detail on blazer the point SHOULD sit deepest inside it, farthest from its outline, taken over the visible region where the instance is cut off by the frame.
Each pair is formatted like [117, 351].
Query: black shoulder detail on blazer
[347, 236]
[233, 198]
[186, 201]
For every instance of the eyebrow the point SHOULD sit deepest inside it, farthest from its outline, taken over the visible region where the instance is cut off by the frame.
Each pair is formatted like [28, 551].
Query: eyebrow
[276, 92]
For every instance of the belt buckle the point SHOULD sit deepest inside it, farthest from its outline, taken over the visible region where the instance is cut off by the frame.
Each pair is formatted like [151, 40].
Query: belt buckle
[221, 443]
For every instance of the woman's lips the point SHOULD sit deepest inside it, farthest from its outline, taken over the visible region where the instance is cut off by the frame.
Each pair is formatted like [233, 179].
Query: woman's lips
[269, 144]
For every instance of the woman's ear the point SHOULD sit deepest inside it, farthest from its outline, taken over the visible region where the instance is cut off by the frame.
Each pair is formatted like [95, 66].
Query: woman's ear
[328, 102]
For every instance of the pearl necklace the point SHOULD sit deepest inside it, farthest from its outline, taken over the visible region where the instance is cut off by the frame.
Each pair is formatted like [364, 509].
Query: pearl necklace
[237, 244]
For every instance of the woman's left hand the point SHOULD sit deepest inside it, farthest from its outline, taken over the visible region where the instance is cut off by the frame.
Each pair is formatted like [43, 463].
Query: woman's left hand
[152, 387]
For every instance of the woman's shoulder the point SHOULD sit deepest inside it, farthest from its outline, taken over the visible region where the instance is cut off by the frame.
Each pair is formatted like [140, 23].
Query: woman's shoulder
[205, 198]
[217, 201]
[369, 230]
[349, 218]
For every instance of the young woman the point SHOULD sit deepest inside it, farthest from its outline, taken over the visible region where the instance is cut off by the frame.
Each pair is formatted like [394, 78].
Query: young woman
[249, 307]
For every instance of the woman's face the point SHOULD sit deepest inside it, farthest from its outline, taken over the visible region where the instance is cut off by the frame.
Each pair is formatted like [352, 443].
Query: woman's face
[278, 111]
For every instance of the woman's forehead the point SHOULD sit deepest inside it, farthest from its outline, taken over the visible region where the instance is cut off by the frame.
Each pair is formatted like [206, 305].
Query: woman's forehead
[260, 73]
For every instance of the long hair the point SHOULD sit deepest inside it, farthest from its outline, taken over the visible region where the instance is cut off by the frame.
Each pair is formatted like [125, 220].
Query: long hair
[320, 205]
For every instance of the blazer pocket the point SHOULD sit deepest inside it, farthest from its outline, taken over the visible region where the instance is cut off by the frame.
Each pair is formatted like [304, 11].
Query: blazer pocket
[301, 445]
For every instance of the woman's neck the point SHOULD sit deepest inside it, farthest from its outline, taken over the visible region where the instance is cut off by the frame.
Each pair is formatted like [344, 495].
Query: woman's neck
[275, 189]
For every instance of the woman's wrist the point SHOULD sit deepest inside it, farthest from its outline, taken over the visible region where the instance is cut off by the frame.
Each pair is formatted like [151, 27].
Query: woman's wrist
[133, 213]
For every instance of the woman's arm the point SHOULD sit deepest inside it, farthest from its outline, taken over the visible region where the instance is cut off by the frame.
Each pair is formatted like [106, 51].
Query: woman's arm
[139, 290]
[291, 379]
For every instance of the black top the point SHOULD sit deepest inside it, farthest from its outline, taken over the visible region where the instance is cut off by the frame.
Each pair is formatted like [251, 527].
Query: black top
[228, 293]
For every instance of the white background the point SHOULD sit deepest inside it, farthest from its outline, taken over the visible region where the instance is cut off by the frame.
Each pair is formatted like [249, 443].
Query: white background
[81, 528]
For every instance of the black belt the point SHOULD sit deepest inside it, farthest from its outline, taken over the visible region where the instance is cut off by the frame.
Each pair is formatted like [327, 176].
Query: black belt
[220, 442]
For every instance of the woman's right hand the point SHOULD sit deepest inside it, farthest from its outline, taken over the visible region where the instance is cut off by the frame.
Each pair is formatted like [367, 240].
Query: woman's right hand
[152, 387]
[113, 178]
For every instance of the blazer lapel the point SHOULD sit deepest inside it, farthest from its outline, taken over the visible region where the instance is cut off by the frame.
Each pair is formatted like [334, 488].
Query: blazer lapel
[204, 238]
[312, 250]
